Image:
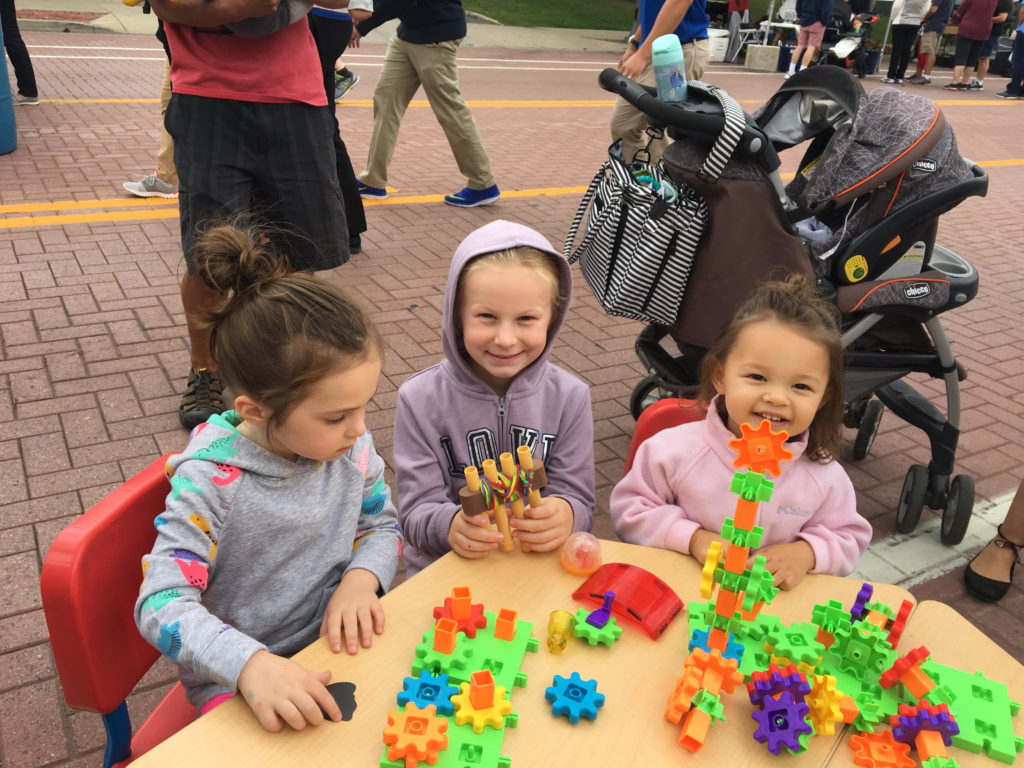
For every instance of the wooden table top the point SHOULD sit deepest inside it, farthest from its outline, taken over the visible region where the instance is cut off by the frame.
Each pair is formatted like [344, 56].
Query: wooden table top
[636, 675]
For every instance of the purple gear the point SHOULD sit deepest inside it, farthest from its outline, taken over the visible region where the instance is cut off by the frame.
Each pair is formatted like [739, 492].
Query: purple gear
[796, 684]
[857, 611]
[781, 724]
[912, 720]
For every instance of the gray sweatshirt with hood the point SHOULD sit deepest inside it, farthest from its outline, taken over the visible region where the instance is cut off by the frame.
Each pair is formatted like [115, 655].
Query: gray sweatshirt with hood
[447, 418]
[250, 548]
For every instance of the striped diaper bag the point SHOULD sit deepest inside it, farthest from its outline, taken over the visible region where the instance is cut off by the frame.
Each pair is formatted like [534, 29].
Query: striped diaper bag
[638, 248]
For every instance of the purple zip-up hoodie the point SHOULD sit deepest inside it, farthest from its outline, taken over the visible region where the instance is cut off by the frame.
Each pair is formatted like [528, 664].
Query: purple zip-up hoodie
[447, 418]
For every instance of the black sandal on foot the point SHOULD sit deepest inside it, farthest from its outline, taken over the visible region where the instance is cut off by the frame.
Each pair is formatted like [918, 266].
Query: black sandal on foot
[988, 589]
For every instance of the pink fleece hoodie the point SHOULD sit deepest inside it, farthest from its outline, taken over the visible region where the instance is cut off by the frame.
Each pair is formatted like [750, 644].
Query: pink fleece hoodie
[680, 482]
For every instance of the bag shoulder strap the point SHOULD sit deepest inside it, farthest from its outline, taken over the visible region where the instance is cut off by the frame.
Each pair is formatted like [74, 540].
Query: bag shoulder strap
[729, 138]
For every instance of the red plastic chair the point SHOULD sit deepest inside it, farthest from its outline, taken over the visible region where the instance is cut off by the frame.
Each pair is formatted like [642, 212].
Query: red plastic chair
[89, 583]
[659, 415]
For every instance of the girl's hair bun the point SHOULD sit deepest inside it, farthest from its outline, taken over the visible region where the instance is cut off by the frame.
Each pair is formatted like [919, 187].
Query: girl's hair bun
[233, 259]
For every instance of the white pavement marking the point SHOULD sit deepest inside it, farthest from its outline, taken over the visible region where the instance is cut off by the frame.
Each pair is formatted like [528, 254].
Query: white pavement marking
[909, 559]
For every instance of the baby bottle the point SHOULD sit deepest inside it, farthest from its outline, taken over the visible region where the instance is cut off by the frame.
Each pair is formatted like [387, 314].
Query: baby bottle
[669, 71]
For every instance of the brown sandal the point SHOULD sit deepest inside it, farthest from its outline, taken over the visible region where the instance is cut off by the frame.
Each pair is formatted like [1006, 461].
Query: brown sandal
[984, 588]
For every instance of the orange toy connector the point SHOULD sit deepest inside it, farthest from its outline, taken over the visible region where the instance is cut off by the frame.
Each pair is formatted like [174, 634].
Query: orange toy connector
[505, 624]
[445, 633]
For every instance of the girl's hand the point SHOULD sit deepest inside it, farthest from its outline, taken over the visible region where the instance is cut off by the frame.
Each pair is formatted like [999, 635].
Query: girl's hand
[545, 527]
[472, 537]
[353, 610]
[788, 563]
[278, 689]
[353, 41]
[701, 542]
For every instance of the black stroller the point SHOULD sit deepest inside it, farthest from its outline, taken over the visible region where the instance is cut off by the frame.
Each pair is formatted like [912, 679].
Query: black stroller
[879, 170]
[848, 48]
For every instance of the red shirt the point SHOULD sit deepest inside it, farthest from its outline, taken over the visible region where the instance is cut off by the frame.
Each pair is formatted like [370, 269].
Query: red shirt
[278, 68]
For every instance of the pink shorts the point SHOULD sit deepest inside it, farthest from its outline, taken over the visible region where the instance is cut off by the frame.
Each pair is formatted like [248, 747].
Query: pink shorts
[811, 37]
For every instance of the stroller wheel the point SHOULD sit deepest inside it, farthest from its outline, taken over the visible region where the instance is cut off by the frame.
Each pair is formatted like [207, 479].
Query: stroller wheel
[868, 428]
[650, 389]
[915, 487]
[957, 514]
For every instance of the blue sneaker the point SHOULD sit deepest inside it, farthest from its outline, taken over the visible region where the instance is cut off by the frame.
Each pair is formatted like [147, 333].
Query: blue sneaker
[371, 193]
[470, 198]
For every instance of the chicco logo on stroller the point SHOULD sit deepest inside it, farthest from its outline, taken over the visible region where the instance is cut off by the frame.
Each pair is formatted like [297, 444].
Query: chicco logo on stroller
[917, 290]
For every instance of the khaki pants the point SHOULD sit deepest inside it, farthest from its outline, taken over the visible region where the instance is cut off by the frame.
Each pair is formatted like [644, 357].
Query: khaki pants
[165, 157]
[629, 123]
[406, 67]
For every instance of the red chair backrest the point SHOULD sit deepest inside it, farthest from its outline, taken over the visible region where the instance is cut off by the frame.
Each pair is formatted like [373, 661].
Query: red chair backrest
[90, 581]
[659, 415]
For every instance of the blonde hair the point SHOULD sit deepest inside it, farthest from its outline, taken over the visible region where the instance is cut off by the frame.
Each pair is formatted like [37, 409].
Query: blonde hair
[541, 262]
[278, 332]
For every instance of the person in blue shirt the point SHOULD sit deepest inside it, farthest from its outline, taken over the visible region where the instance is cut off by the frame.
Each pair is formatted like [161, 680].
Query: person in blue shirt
[1016, 84]
[688, 20]
[932, 29]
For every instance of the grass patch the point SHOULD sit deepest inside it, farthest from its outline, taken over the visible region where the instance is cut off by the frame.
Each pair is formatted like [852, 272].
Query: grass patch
[564, 14]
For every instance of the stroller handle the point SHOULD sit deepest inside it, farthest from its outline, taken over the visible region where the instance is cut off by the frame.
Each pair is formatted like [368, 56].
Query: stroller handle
[700, 118]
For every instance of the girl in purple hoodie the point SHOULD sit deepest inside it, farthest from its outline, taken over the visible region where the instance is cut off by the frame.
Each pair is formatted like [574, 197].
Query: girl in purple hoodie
[507, 294]
[780, 359]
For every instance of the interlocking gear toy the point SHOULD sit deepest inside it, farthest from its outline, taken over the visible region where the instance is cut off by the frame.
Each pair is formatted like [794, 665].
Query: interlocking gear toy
[880, 750]
[415, 735]
[574, 697]
[782, 724]
[607, 634]
[427, 690]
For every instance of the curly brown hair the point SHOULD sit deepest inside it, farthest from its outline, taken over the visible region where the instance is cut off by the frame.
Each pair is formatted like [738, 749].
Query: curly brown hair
[795, 303]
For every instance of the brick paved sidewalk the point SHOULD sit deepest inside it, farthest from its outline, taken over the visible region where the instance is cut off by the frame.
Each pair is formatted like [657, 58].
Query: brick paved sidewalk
[94, 351]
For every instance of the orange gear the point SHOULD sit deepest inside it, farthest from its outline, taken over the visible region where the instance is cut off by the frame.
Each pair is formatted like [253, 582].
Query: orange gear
[880, 750]
[760, 449]
[415, 734]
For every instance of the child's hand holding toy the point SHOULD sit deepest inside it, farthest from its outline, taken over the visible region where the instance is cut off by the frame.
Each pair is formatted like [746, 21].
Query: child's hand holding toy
[355, 610]
[472, 536]
[546, 526]
[277, 689]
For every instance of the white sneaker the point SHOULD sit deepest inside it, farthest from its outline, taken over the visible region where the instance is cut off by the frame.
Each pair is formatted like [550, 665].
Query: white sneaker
[151, 186]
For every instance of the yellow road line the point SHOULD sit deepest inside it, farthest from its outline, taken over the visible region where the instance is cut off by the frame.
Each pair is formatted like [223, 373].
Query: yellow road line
[158, 208]
[78, 205]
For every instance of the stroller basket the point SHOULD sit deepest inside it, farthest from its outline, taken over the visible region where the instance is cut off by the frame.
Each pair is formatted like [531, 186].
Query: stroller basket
[875, 187]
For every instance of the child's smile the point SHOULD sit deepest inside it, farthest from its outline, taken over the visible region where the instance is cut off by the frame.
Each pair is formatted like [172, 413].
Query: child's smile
[504, 313]
[773, 372]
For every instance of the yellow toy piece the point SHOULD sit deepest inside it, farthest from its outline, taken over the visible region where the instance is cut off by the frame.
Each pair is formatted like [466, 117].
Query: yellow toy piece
[480, 717]
[824, 702]
[707, 576]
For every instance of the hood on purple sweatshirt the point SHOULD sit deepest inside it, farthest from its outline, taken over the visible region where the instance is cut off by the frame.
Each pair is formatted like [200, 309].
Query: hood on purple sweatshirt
[499, 235]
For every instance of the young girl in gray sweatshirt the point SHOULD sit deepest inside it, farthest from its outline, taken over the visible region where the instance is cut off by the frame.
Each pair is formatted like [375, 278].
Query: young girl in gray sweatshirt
[279, 527]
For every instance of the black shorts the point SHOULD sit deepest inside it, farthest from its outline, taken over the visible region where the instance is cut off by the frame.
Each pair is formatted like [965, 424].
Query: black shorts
[967, 51]
[275, 161]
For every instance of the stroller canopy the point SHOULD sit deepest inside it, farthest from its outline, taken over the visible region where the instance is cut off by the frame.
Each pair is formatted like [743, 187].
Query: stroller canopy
[870, 153]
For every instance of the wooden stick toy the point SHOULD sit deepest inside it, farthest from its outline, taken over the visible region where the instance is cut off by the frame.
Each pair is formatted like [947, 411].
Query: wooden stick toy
[491, 493]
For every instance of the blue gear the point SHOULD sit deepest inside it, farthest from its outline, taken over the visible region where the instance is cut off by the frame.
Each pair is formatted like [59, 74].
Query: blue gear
[426, 690]
[575, 697]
